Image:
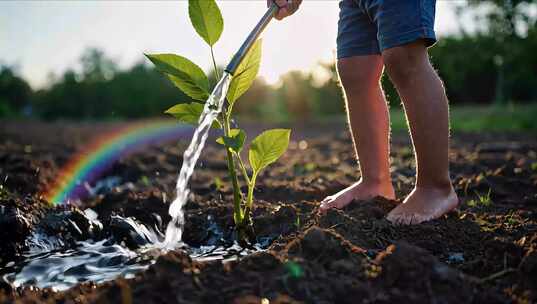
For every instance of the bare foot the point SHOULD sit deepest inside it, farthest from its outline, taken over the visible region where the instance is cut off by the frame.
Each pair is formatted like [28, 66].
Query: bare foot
[424, 204]
[360, 191]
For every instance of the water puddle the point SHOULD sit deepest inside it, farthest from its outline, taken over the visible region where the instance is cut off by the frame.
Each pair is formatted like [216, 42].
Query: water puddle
[89, 261]
[132, 248]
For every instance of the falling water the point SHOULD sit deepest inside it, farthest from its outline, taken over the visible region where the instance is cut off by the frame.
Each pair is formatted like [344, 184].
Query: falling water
[212, 108]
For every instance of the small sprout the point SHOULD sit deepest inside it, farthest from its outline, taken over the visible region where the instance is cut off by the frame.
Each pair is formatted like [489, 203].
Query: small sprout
[511, 220]
[3, 192]
[534, 166]
[482, 200]
[144, 180]
[294, 270]
[218, 183]
[310, 166]
[472, 203]
[301, 169]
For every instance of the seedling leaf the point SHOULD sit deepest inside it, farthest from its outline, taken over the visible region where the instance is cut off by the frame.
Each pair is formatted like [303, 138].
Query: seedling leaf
[246, 73]
[235, 140]
[184, 74]
[267, 148]
[206, 19]
[189, 113]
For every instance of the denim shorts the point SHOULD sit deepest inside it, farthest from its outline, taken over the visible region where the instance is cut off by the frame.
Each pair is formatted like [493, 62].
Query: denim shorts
[368, 27]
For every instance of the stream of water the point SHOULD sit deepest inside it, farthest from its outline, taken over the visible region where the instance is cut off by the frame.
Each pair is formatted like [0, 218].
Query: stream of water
[212, 108]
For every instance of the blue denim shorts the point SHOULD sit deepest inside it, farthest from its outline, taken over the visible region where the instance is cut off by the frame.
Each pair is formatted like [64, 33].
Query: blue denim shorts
[368, 27]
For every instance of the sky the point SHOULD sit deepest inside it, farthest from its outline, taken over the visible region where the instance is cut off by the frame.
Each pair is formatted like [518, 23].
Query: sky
[40, 37]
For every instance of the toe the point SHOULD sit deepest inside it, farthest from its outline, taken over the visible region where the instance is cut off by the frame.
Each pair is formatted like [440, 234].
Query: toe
[400, 217]
[325, 205]
[407, 219]
[322, 208]
[393, 216]
[421, 218]
[327, 199]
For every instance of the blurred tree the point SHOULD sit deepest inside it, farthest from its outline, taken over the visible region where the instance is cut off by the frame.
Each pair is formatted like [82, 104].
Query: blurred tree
[509, 23]
[296, 92]
[141, 91]
[328, 95]
[103, 91]
[96, 67]
[503, 18]
[15, 93]
[257, 97]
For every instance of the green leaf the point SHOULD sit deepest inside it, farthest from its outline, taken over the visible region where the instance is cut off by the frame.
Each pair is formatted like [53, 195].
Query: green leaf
[246, 73]
[206, 19]
[189, 113]
[185, 74]
[235, 140]
[267, 148]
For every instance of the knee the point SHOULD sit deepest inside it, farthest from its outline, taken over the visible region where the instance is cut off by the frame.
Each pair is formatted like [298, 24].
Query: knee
[359, 74]
[404, 62]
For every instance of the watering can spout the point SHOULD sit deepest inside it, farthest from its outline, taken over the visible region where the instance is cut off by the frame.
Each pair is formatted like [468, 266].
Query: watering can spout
[252, 37]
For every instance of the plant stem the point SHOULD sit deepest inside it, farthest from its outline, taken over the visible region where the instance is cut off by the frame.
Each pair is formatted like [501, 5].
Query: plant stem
[237, 195]
[214, 65]
[243, 168]
[238, 215]
[250, 198]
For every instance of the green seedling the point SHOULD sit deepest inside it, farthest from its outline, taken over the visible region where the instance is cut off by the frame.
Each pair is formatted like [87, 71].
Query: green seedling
[145, 180]
[512, 219]
[482, 200]
[218, 183]
[294, 270]
[190, 78]
[3, 192]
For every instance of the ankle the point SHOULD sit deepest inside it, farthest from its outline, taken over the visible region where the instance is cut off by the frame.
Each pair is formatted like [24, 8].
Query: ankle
[440, 183]
[443, 187]
[376, 181]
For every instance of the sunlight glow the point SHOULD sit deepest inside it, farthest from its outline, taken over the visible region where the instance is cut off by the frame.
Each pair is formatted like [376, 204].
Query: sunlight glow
[43, 37]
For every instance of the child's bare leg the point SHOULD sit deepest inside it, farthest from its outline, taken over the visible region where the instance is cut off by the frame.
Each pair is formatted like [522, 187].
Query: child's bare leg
[426, 107]
[369, 124]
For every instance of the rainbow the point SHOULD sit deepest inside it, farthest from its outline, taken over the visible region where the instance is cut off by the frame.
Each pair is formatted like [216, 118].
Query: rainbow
[93, 160]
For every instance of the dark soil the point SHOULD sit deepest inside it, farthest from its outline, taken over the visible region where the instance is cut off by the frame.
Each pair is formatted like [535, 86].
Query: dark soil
[483, 252]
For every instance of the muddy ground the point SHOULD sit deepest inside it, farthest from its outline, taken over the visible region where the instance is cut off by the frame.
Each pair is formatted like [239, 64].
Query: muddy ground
[484, 252]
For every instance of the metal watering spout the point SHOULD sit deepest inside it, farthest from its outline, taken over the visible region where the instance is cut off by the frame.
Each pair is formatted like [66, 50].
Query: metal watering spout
[252, 37]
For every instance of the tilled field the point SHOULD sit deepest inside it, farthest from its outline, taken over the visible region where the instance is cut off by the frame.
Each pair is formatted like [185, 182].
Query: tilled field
[484, 252]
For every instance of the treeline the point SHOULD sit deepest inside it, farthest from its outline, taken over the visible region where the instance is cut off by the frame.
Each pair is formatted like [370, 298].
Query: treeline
[100, 90]
[495, 64]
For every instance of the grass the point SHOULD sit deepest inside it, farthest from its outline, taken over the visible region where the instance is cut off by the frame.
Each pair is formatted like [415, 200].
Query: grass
[465, 118]
[510, 117]
[483, 200]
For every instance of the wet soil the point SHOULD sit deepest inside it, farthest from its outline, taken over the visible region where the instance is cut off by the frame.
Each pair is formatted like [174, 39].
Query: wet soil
[483, 252]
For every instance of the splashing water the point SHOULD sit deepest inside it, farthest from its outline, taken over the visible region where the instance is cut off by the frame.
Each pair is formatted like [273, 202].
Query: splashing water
[212, 108]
